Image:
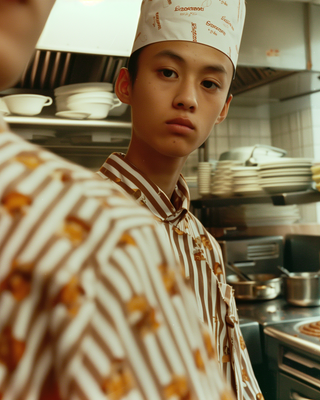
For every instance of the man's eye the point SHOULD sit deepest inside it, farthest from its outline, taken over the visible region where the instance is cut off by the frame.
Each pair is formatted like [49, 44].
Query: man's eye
[209, 84]
[168, 73]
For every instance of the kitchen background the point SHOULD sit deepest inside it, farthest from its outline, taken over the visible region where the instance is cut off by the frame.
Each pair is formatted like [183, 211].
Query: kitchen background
[276, 91]
[293, 125]
[276, 102]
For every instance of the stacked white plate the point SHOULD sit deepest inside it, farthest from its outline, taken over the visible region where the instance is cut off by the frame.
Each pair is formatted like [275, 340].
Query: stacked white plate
[246, 181]
[286, 175]
[259, 215]
[316, 175]
[222, 183]
[204, 177]
[92, 100]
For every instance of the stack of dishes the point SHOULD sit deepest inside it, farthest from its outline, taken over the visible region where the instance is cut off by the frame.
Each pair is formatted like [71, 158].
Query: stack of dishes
[92, 100]
[222, 183]
[246, 181]
[286, 175]
[259, 215]
[316, 175]
[204, 177]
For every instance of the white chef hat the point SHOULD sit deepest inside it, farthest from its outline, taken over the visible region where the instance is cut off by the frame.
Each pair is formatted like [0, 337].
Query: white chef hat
[216, 23]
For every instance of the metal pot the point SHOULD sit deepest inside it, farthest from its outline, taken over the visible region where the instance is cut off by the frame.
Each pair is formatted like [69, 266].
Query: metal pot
[302, 289]
[261, 287]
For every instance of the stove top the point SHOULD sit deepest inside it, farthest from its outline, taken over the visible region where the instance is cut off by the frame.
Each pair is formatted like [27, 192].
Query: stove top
[296, 333]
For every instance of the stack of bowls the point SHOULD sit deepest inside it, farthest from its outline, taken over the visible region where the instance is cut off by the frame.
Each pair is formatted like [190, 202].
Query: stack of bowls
[316, 175]
[92, 100]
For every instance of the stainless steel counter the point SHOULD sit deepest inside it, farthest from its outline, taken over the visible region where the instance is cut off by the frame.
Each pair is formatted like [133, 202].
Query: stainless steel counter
[275, 311]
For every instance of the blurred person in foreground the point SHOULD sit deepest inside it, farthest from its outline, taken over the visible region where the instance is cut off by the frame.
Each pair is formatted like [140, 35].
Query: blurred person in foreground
[177, 83]
[92, 304]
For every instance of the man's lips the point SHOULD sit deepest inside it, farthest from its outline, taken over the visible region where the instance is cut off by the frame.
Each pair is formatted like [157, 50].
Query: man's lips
[182, 122]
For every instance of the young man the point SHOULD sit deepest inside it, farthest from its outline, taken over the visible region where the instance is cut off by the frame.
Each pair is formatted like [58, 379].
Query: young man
[91, 305]
[177, 84]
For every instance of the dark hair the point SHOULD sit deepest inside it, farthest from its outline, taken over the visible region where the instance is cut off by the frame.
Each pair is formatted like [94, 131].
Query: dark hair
[133, 65]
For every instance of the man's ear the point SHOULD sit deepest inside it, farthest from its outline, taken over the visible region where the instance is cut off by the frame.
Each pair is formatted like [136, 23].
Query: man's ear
[224, 111]
[123, 86]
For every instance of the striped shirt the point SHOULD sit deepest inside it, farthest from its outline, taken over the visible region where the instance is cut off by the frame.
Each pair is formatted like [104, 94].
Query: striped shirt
[91, 304]
[201, 258]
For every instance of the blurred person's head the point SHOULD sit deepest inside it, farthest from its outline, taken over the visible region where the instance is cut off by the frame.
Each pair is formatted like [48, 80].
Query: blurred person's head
[21, 23]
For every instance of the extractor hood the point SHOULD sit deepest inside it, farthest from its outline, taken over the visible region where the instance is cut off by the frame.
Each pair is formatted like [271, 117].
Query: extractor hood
[90, 40]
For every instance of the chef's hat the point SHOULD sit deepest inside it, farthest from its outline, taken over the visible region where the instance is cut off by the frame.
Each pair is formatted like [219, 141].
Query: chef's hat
[216, 23]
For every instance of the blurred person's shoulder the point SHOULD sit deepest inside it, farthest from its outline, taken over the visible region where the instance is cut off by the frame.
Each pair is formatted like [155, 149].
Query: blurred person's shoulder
[22, 160]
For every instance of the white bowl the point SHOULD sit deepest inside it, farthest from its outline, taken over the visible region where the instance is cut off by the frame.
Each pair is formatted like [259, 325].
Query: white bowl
[26, 104]
[63, 101]
[96, 110]
[97, 96]
[84, 88]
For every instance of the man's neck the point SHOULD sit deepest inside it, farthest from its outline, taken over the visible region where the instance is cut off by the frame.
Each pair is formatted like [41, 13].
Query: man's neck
[161, 170]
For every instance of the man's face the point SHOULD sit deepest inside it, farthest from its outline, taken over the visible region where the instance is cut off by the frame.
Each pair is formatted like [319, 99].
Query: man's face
[179, 95]
[21, 23]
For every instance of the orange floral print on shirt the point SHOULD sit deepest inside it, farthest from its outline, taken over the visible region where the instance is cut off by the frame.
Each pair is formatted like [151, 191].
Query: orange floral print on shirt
[75, 229]
[199, 360]
[16, 203]
[71, 296]
[11, 349]
[142, 315]
[18, 281]
[127, 239]
[217, 269]
[178, 389]
[119, 382]
[30, 160]
[169, 279]
[206, 242]
[245, 376]
[209, 346]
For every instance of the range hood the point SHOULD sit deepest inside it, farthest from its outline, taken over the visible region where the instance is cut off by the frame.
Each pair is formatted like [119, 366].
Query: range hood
[90, 40]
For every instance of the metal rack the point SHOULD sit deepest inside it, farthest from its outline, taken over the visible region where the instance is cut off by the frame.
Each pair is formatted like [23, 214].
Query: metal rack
[281, 199]
[53, 121]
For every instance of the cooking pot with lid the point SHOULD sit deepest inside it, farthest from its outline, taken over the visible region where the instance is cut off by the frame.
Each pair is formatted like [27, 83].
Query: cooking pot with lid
[261, 287]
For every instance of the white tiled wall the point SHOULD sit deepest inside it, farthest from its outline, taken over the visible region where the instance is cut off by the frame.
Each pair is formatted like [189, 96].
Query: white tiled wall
[295, 127]
[244, 126]
[293, 132]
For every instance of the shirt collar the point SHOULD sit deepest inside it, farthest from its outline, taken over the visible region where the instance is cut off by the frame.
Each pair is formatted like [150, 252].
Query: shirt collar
[144, 190]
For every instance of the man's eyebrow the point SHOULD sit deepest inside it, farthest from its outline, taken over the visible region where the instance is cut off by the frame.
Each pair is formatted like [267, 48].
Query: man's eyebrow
[170, 54]
[210, 68]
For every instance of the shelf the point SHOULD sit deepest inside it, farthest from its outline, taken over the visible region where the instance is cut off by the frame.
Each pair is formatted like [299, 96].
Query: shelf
[281, 199]
[53, 121]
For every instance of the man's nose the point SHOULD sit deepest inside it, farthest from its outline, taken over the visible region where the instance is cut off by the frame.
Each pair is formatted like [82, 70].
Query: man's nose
[186, 97]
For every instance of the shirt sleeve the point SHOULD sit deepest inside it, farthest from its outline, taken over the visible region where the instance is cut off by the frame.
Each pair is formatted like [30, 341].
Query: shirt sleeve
[92, 305]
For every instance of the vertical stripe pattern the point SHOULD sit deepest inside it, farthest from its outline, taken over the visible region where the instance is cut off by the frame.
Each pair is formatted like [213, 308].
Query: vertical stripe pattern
[201, 259]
